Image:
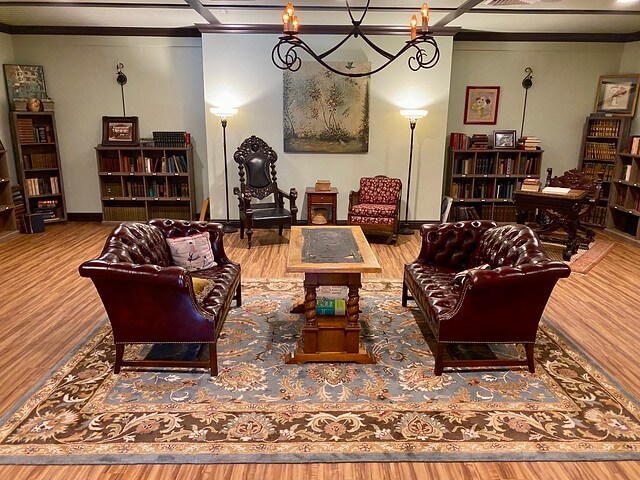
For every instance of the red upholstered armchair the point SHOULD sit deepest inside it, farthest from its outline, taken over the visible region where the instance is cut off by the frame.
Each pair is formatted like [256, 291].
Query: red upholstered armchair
[376, 206]
[502, 302]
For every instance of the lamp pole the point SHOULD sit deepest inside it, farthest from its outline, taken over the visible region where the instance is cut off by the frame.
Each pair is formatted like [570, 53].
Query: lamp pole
[413, 116]
[224, 114]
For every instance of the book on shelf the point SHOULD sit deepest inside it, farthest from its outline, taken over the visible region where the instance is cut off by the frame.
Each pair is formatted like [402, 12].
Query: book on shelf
[634, 145]
[529, 142]
[626, 173]
[331, 306]
[556, 190]
[332, 292]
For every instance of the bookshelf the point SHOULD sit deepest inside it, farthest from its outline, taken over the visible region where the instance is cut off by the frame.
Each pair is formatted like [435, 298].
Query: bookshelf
[603, 139]
[35, 142]
[624, 200]
[482, 181]
[141, 183]
[8, 226]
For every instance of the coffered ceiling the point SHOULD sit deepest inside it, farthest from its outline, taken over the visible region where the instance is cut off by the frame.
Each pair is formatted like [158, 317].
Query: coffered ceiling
[534, 20]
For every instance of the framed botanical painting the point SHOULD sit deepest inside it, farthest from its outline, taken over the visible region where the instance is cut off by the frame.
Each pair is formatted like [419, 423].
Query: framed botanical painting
[617, 94]
[504, 139]
[481, 105]
[324, 112]
[24, 82]
[120, 131]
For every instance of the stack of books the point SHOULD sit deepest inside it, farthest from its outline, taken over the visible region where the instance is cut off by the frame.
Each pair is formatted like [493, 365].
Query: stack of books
[479, 141]
[331, 300]
[531, 184]
[171, 139]
[529, 142]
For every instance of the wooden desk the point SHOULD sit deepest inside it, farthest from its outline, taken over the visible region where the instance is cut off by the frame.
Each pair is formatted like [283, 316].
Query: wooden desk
[322, 199]
[567, 205]
[330, 338]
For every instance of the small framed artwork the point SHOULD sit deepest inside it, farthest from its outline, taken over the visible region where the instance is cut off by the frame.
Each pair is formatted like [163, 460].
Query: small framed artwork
[481, 105]
[120, 131]
[504, 139]
[617, 94]
[24, 82]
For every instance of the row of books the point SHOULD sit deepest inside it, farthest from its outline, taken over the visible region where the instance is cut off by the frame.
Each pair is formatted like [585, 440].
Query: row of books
[594, 168]
[40, 160]
[634, 145]
[132, 213]
[42, 186]
[171, 139]
[110, 214]
[504, 189]
[463, 212]
[600, 151]
[621, 200]
[626, 172]
[30, 133]
[597, 216]
[506, 166]
[171, 164]
[603, 128]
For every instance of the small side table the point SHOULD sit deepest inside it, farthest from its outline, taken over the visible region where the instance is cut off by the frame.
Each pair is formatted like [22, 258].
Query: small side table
[326, 199]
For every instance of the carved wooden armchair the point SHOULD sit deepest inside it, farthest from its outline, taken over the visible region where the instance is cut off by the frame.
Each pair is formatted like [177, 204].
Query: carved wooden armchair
[257, 161]
[577, 180]
[376, 206]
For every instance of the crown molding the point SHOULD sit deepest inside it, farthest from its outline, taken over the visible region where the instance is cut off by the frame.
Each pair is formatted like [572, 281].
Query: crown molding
[106, 31]
[469, 36]
[320, 29]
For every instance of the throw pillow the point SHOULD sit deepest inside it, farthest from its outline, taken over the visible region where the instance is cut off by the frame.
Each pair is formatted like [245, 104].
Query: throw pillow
[459, 277]
[193, 252]
[199, 284]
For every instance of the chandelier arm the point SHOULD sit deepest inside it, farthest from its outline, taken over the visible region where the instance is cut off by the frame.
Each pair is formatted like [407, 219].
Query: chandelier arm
[420, 60]
[380, 51]
[357, 22]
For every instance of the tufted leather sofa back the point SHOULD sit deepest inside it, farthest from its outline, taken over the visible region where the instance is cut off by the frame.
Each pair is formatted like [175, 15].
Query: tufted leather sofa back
[137, 243]
[510, 245]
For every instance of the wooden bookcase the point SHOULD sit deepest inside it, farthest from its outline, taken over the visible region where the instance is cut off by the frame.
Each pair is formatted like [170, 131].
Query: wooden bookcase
[624, 201]
[35, 143]
[8, 226]
[482, 182]
[603, 139]
[141, 183]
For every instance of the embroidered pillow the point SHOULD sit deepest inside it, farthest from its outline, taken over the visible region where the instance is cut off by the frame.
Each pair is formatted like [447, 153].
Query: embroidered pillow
[199, 284]
[193, 252]
[459, 278]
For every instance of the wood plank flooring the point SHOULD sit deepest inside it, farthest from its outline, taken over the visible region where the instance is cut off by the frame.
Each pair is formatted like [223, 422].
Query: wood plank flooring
[46, 308]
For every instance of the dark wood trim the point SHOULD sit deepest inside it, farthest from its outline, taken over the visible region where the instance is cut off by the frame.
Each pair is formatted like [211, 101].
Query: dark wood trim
[462, 9]
[179, 6]
[468, 36]
[106, 31]
[4, 28]
[84, 217]
[320, 29]
[549, 11]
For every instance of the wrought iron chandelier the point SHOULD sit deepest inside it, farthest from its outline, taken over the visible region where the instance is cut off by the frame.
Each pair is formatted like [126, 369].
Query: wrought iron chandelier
[285, 54]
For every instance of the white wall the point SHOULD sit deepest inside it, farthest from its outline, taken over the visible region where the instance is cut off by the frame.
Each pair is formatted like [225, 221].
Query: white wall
[164, 90]
[238, 72]
[631, 64]
[565, 80]
[6, 56]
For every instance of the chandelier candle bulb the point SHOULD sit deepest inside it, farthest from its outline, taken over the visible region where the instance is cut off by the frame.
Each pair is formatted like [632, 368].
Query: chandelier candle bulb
[414, 24]
[296, 24]
[424, 11]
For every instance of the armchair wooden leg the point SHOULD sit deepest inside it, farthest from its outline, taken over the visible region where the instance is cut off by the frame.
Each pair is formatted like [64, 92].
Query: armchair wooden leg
[241, 230]
[249, 233]
[439, 360]
[213, 359]
[119, 355]
[528, 347]
[280, 229]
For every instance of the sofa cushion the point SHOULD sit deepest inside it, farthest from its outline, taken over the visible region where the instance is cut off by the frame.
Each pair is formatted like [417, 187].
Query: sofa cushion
[374, 210]
[192, 252]
[361, 220]
[435, 286]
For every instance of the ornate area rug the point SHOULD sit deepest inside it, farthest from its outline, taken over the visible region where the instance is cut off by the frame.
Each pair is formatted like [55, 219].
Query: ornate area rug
[261, 410]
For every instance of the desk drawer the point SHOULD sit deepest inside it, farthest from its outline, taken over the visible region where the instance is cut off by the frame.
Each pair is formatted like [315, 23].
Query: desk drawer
[320, 198]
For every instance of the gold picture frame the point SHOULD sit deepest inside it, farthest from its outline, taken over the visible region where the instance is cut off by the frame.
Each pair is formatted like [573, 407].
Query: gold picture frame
[617, 94]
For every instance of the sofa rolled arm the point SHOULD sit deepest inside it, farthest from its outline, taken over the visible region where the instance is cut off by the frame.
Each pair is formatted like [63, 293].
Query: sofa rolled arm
[451, 244]
[522, 275]
[172, 276]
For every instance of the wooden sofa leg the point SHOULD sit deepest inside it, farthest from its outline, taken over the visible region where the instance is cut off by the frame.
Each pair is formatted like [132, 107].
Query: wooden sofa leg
[239, 295]
[249, 233]
[439, 360]
[405, 294]
[119, 355]
[213, 359]
[528, 347]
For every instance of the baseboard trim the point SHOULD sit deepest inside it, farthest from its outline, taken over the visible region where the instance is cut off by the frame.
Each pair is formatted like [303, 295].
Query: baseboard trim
[84, 217]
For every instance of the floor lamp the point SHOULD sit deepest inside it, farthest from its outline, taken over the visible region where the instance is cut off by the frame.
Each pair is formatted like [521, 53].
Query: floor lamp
[413, 116]
[224, 114]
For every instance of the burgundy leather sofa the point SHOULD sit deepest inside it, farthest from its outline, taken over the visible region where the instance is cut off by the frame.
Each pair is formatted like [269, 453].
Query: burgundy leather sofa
[150, 300]
[502, 303]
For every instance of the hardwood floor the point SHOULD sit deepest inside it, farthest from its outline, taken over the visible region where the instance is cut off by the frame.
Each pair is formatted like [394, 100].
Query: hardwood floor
[46, 308]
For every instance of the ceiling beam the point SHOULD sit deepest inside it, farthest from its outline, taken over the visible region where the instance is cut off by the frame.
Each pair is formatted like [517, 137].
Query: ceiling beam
[321, 29]
[106, 31]
[203, 11]
[461, 10]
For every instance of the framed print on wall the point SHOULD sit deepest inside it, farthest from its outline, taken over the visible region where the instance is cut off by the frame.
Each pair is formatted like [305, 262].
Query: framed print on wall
[120, 131]
[617, 94]
[24, 82]
[481, 105]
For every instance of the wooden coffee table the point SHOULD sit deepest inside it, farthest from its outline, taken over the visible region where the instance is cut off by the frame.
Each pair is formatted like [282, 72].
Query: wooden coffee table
[330, 256]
